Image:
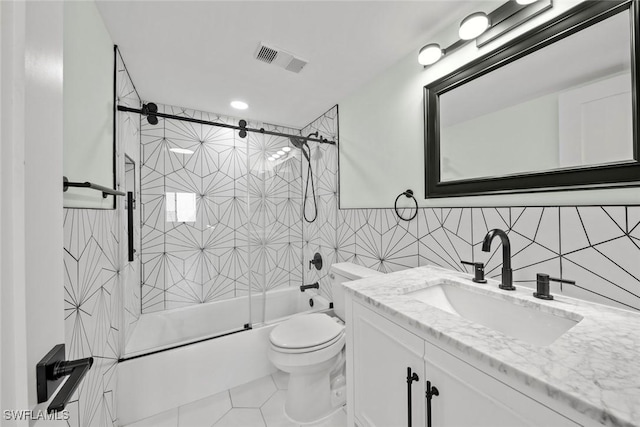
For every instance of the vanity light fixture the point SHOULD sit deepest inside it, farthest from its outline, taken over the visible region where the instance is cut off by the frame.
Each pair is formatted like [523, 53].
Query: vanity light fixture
[286, 149]
[430, 54]
[275, 156]
[281, 153]
[239, 105]
[473, 25]
[484, 28]
[180, 151]
[271, 159]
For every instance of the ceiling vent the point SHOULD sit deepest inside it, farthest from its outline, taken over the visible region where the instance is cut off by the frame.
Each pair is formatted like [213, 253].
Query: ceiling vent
[279, 58]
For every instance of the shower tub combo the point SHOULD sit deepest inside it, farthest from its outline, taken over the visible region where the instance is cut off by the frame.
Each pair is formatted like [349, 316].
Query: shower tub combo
[178, 356]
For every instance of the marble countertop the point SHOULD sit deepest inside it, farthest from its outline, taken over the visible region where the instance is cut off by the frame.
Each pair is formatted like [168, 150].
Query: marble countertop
[594, 367]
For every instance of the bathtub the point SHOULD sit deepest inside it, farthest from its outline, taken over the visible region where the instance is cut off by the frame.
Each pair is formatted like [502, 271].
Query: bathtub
[182, 355]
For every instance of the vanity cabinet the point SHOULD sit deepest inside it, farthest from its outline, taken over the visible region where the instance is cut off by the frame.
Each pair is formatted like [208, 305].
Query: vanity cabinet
[381, 351]
[468, 396]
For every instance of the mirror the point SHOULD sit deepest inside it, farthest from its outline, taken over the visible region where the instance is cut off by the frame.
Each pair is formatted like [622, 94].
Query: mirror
[551, 110]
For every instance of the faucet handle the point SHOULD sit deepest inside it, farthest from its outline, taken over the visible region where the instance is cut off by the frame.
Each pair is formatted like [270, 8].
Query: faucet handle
[542, 285]
[478, 269]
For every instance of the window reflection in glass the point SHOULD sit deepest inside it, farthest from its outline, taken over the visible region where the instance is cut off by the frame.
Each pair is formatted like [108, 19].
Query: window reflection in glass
[181, 207]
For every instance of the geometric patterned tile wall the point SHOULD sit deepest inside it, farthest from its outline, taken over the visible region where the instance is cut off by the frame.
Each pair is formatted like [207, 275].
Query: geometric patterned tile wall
[321, 235]
[246, 228]
[101, 286]
[93, 311]
[598, 247]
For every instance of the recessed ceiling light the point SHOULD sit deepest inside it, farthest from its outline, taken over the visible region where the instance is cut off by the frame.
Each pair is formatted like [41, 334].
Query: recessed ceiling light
[281, 153]
[239, 105]
[181, 151]
[286, 149]
[275, 156]
[430, 54]
[473, 25]
[523, 2]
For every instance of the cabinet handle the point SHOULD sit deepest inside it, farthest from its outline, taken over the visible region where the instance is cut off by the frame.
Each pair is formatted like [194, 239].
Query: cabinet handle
[432, 391]
[411, 377]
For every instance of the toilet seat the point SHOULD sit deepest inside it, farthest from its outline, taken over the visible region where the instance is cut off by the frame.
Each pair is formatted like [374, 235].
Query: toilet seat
[307, 349]
[306, 360]
[305, 332]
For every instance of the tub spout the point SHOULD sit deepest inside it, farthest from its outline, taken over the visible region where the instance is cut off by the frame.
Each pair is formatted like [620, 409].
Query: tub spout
[311, 286]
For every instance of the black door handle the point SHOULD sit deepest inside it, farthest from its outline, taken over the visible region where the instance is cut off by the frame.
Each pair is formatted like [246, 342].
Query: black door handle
[411, 377]
[51, 371]
[432, 392]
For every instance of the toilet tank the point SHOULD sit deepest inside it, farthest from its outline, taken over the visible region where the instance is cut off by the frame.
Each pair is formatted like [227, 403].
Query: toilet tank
[345, 272]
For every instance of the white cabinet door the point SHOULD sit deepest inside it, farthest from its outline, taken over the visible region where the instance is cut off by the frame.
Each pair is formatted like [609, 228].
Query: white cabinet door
[382, 352]
[469, 397]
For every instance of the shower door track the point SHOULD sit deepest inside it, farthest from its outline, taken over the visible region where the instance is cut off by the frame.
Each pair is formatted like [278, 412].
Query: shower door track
[246, 327]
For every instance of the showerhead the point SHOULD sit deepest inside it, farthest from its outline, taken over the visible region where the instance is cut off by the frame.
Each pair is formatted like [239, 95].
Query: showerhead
[300, 143]
[297, 142]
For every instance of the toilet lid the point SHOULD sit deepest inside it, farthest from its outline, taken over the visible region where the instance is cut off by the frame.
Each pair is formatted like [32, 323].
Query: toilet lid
[308, 330]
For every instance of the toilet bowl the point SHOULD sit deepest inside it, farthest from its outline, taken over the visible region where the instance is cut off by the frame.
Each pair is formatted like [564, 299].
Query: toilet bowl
[310, 347]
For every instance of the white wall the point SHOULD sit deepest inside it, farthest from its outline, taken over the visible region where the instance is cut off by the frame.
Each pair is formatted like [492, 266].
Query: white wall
[88, 104]
[382, 130]
[31, 205]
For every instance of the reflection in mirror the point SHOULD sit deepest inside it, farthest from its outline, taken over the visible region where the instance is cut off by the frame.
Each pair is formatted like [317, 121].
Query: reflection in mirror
[567, 105]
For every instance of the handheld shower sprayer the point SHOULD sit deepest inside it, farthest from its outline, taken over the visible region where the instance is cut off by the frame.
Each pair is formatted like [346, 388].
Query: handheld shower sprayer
[301, 144]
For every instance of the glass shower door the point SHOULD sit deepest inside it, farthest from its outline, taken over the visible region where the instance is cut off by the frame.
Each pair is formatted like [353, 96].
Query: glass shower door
[195, 249]
[275, 222]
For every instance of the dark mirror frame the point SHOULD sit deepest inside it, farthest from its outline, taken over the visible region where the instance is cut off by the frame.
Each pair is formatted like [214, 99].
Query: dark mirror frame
[580, 178]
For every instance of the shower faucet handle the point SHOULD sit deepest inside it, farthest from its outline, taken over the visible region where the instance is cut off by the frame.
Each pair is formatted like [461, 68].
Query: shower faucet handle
[317, 261]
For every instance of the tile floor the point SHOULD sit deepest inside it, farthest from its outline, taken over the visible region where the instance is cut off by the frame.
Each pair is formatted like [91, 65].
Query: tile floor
[259, 403]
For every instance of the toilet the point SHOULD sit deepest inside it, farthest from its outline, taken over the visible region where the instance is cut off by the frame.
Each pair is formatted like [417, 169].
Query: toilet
[310, 347]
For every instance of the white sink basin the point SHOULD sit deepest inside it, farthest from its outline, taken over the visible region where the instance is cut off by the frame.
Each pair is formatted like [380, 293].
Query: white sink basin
[524, 323]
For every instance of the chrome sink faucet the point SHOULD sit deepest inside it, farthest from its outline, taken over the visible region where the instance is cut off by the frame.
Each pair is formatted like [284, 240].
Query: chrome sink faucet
[507, 279]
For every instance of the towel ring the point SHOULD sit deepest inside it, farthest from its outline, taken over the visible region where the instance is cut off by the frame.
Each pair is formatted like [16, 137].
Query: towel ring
[408, 193]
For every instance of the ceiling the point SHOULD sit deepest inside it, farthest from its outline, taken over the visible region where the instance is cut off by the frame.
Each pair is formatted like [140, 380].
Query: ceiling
[200, 54]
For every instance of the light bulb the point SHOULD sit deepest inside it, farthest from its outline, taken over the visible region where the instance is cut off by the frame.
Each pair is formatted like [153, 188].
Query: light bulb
[430, 54]
[239, 105]
[286, 149]
[473, 25]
